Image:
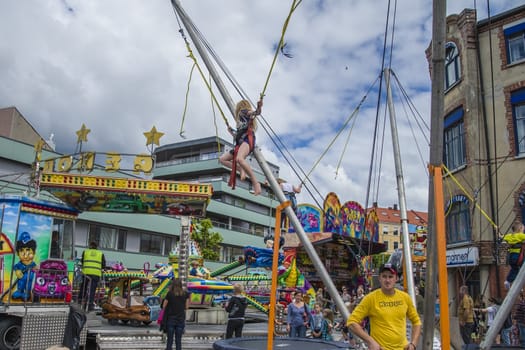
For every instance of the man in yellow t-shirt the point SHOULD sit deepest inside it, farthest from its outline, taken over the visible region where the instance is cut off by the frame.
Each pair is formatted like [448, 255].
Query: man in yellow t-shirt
[465, 315]
[387, 309]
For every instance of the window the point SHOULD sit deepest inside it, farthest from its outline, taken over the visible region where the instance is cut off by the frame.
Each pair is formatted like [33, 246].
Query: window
[515, 43]
[121, 239]
[105, 237]
[458, 222]
[396, 232]
[386, 244]
[152, 244]
[454, 140]
[452, 66]
[230, 254]
[396, 245]
[517, 100]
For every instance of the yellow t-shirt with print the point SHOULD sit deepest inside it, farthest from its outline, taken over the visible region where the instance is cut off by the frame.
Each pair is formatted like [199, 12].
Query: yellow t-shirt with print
[387, 314]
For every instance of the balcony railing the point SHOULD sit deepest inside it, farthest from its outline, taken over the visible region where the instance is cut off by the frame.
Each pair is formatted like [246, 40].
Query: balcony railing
[186, 160]
[247, 230]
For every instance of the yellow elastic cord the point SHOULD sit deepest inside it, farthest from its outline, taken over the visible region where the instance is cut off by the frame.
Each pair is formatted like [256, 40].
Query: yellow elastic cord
[181, 132]
[206, 82]
[281, 41]
[469, 196]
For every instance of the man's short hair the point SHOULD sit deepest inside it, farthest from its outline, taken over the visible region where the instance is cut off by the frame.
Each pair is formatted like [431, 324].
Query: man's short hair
[93, 245]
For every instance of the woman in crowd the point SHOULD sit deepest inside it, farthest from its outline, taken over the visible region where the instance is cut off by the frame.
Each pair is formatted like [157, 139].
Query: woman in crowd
[298, 317]
[174, 320]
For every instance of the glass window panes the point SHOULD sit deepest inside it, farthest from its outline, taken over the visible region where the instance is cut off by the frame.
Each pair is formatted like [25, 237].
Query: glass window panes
[452, 65]
[458, 223]
[121, 241]
[519, 122]
[150, 243]
[516, 46]
[454, 146]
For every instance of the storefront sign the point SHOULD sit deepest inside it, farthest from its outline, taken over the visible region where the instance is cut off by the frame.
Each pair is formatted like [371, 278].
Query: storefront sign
[463, 257]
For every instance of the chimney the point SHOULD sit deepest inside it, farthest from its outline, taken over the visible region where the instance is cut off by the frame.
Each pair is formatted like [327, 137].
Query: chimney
[374, 204]
[395, 207]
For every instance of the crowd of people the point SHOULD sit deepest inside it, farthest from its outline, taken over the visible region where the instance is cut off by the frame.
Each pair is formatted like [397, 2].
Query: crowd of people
[477, 317]
[383, 307]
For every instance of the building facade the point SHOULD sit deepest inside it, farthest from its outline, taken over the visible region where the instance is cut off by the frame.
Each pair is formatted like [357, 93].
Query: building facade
[391, 230]
[483, 145]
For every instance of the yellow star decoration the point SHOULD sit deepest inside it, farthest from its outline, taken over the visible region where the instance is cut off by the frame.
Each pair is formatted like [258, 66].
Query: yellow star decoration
[153, 137]
[82, 134]
[38, 148]
[39, 145]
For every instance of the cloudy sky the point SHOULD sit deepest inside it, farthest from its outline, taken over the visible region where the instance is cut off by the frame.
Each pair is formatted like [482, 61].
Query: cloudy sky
[121, 67]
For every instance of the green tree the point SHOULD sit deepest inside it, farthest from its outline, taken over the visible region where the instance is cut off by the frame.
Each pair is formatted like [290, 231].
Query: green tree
[208, 241]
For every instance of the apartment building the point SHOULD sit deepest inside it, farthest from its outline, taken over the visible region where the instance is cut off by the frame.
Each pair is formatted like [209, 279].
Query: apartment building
[391, 230]
[484, 144]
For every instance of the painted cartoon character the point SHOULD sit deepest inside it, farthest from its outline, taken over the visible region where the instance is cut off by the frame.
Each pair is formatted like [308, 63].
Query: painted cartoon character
[312, 221]
[51, 279]
[25, 249]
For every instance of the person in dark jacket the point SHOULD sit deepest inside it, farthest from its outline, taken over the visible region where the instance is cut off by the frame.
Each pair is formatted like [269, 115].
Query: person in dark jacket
[174, 319]
[236, 308]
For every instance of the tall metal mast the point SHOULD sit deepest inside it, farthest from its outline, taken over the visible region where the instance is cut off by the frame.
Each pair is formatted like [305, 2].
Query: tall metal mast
[407, 254]
[309, 248]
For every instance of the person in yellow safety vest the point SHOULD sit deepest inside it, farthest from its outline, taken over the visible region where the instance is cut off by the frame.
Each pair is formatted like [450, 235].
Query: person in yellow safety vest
[93, 262]
[514, 240]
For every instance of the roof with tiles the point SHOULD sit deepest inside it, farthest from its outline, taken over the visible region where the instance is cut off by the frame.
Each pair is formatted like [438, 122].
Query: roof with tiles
[393, 215]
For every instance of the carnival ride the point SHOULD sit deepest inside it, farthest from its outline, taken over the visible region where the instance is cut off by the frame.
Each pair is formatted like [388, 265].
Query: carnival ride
[125, 305]
[30, 284]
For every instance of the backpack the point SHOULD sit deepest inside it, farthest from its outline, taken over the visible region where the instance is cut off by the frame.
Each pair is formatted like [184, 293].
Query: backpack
[238, 308]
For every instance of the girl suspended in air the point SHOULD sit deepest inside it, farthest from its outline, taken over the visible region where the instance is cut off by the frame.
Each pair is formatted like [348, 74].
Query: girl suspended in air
[244, 144]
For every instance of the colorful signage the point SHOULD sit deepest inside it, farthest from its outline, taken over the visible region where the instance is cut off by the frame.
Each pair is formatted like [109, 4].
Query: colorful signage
[352, 219]
[87, 161]
[128, 195]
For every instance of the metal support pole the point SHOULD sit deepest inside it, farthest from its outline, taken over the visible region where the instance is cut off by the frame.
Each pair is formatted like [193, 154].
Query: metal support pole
[504, 310]
[188, 24]
[308, 246]
[407, 254]
[320, 268]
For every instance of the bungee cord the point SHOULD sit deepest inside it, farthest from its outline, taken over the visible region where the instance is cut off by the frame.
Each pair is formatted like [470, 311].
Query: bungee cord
[181, 132]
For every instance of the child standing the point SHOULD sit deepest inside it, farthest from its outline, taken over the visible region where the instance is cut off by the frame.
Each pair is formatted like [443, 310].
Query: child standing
[328, 318]
[317, 324]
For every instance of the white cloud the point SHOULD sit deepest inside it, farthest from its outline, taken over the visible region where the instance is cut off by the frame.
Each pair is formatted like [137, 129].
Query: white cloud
[121, 66]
